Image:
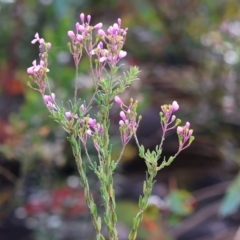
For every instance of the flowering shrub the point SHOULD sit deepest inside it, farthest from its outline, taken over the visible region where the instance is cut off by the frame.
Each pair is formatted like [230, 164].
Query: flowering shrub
[104, 50]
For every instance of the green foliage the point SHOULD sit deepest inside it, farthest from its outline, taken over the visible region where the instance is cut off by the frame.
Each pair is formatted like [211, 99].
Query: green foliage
[231, 200]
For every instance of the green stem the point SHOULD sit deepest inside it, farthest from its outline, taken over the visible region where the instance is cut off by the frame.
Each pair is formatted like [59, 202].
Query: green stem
[76, 85]
[107, 169]
[143, 201]
[88, 196]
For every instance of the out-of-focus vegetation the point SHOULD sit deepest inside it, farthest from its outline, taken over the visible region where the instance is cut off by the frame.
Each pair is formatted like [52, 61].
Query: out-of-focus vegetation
[187, 51]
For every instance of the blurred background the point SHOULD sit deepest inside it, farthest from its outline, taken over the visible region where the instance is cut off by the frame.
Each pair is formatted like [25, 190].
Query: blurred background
[187, 51]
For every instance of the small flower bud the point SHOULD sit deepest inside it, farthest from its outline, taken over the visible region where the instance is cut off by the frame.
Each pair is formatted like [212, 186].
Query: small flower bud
[82, 16]
[118, 100]
[46, 98]
[173, 118]
[122, 54]
[92, 122]
[97, 26]
[179, 129]
[82, 107]
[101, 33]
[121, 122]
[68, 114]
[88, 18]
[115, 26]
[119, 22]
[79, 37]
[122, 115]
[71, 34]
[89, 132]
[53, 96]
[30, 70]
[187, 125]
[175, 106]
[80, 28]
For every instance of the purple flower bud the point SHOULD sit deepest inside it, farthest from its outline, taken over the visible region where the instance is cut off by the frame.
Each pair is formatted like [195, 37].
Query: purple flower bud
[53, 96]
[46, 98]
[89, 132]
[68, 114]
[30, 70]
[119, 22]
[82, 16]
[121, 122]
[187, 125]
[88, 18]
[115, 26]
[179, 129]
[48, 45]
[100, 45]
[102, 59]
[82, 108]
[92, 122]
[80, 28]
[79, 37]
[118, 100]
[122, 54]
[122, 115]
[101, 33]
[71, 34]
[41, 41]
[175, 106]
[97, 26]
[173, 118]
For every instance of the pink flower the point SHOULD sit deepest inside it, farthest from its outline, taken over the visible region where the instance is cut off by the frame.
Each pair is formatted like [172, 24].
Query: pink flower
[122, 115]
[79, 37]
[92, 122]
[118, 100]
[121, 122]
[68, 114]
[122, 54]
[37, 39]
[179, 129]
[175, 106]
[98, 26]
[82, 16]
[82, 107]
[101, 33]
[71, 34]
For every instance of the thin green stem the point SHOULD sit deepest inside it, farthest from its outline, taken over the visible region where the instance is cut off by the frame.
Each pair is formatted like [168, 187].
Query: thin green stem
[76, 85]
[88, 196]
[143, 201]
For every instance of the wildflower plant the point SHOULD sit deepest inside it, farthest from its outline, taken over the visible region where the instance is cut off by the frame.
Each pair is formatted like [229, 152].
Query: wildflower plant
[104, 50]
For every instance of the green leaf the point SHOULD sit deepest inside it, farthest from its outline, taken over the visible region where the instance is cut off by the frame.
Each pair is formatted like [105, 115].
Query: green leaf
[99, 223]
[231, 201]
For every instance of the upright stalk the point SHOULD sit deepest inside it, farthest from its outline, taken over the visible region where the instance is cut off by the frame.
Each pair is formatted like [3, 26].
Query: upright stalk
[84, 182]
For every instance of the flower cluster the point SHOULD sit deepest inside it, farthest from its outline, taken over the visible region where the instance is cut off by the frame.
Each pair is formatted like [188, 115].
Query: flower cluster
[90, 128]
[50, 101]
[114, 40]
[184, 136]
[38, 71]
[128, 124]
[166, 116]
[82, 38]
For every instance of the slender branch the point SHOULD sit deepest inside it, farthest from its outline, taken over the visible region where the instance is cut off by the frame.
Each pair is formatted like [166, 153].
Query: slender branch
[88, 196]
[76, 85]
